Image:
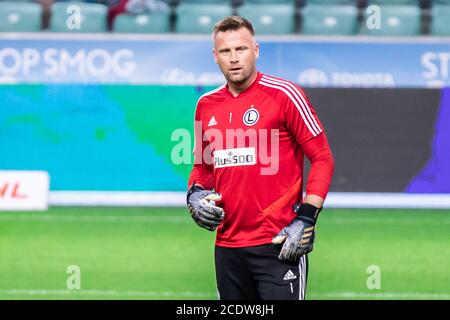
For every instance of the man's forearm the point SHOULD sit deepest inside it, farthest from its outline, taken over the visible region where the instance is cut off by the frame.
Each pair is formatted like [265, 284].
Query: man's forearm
[322, 168]
[314, 200]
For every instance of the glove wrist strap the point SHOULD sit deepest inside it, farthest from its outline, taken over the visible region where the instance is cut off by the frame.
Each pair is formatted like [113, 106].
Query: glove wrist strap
[307, 212]
[193, 189]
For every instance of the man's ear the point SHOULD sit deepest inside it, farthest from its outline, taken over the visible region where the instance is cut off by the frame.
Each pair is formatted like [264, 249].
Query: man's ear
[256, 50]
[215, 55]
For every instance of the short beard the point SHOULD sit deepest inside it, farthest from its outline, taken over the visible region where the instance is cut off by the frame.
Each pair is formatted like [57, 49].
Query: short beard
[239, 82]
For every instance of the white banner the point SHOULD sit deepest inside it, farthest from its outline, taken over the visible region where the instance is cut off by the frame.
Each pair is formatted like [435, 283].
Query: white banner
[24, 190]
[178, 199]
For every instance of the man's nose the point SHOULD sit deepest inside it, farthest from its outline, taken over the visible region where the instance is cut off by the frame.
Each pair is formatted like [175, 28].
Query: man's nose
[234, 57]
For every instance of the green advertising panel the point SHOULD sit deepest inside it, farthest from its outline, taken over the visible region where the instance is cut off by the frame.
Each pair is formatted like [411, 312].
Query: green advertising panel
[100, 137]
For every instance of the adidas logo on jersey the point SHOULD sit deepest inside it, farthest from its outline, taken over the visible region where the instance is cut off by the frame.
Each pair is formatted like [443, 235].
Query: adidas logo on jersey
[289, 275]
[212, 122]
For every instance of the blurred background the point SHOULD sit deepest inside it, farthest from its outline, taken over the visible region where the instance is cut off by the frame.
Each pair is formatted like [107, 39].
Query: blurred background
[97, 100]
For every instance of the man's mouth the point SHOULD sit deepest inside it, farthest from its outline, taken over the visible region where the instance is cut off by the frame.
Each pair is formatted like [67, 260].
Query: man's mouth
[235, 69]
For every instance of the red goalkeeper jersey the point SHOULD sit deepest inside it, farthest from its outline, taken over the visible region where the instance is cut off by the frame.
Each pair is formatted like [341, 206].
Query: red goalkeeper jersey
[250, 148]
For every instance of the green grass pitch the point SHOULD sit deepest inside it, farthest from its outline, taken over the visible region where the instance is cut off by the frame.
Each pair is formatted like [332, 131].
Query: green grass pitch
[159, 253]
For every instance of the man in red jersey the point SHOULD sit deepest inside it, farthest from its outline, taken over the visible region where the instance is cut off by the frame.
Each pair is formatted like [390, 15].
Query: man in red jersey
[252, 134]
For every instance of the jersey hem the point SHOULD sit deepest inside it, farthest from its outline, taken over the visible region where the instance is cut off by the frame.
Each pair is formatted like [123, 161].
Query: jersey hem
[243, 244]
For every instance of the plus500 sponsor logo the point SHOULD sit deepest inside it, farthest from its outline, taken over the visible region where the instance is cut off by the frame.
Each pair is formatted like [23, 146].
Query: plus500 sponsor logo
[234, 157]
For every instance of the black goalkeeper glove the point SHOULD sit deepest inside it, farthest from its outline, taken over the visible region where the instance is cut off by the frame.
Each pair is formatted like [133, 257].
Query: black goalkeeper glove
[298, 236]
[201, 205]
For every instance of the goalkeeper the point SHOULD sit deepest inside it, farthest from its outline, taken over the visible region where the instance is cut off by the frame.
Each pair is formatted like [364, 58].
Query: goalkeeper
[265, 228]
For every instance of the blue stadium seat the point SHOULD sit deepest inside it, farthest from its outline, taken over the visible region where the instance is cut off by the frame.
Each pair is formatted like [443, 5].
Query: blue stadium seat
[155, 22]
[207, 1]
[87, 1]
[199, 18]
[270, 18]
[440, 23]
[20, 16]
[396, 21]
[64, 17]
[329, 19]
[269, 1]
[332, 2]
[394, 2]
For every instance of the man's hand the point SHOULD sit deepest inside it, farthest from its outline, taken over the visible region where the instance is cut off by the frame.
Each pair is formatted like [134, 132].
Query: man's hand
[201, 205]
[298, 236]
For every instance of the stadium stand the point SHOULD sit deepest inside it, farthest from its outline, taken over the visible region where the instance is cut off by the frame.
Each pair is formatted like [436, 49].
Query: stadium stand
[270, 17]
[396, 20]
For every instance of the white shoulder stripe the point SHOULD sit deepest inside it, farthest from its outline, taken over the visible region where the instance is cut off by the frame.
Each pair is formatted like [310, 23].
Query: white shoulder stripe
[211, 92]
[315, 132]
[299, 95]
[300, 98]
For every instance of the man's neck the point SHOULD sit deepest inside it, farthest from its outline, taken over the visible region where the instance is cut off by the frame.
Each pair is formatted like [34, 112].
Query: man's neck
[235, 90]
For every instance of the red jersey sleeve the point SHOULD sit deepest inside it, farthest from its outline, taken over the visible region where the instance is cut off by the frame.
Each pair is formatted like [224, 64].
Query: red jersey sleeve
[202, 171]
[300, 117]
[302, 121]
[318, 152]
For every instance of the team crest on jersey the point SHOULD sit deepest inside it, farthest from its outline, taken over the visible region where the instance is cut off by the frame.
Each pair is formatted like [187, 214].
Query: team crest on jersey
[251, 116]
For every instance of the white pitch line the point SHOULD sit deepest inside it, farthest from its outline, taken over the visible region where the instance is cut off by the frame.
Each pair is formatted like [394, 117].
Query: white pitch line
[111, 293]
[82, 218]
[384, 221]
[386, 295]
[29, 217]
[190, 294]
